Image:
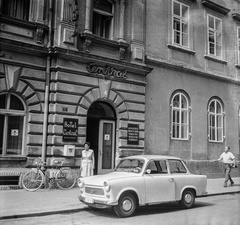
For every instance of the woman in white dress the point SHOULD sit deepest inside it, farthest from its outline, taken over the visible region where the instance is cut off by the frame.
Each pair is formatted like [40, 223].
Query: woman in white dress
[87, 162]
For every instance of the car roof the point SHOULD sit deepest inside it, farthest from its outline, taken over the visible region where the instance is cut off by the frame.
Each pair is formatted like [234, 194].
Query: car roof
[154, 157]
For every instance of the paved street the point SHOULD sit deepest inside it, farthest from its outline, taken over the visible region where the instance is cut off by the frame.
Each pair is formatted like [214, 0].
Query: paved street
[21, 203]
[207, 211]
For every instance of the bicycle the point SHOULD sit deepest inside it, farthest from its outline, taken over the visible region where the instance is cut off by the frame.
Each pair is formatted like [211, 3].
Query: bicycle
[35, 178]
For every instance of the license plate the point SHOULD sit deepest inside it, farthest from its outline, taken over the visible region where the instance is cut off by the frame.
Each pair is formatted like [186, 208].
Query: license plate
[89, 200]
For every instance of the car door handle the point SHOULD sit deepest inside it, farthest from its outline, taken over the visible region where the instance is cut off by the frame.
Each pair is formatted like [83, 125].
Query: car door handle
[171, 179]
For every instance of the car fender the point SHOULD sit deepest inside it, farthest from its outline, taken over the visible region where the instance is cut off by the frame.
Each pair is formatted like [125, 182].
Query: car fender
[131, 189]
[184, 188]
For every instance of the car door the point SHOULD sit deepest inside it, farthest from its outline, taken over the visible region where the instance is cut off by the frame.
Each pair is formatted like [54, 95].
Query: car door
[159, 184]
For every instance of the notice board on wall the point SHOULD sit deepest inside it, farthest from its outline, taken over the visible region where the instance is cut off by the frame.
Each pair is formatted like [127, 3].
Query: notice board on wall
[133, 134]
[70, 130]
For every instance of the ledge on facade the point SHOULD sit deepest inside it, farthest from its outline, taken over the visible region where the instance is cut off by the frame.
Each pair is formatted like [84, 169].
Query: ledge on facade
[40, 29]
[236, 16]
[13, 158]
[213, 6]
[209, 57]
[21, 23]
[180, 48]
[89, 38]
[237, 66]
[23, 47]
[87, 58]
[186, 68]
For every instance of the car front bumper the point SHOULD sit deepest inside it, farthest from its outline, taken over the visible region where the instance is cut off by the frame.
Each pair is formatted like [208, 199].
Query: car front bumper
[96, 203]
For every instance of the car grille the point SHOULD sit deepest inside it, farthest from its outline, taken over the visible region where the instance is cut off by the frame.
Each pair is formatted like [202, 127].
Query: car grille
[94, 191]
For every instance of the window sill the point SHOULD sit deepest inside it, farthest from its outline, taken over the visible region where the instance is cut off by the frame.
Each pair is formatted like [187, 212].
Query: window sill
[12, 158]
[209, 57]
[180, 48]
[91, 38]
[237, 66]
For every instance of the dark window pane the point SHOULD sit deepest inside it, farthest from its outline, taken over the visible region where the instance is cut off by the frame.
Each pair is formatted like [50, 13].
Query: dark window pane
[102, 5]
[3, 101]
[1, 132]
[16, 8]
[15, 103]
[101, 109]
[15, 129]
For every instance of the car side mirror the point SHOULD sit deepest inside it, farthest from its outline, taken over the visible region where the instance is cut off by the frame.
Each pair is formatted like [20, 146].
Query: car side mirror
[148, 171]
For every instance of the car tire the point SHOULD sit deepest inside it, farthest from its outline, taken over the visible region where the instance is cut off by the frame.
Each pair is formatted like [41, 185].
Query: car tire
[188, 199]
[127, 205]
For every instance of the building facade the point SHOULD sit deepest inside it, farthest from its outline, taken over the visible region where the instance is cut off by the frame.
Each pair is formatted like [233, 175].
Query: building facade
[71, 72]
[193, 90]
[130, 77]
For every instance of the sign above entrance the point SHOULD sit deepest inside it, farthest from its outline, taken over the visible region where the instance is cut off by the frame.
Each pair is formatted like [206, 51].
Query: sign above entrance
[133, 134]
[70, 130]
[106, 71]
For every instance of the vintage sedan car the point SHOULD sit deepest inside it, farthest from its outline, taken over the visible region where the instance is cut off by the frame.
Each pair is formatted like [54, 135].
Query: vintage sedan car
[142, 180]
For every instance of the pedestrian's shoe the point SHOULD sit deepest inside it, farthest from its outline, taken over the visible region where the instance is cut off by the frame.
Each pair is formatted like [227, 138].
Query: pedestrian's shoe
[232, 183]
[224, 185]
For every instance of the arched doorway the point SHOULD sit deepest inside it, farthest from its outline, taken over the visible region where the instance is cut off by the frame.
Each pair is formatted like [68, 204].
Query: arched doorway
[101, 119]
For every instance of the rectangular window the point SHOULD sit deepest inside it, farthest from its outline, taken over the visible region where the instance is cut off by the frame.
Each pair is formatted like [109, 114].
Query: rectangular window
[238, 40]
[18, 9]
[214, 36]
[102, 19]
[180, 24]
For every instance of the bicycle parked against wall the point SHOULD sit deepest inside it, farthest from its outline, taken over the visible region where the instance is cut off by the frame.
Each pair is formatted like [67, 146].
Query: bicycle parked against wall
[35, 178]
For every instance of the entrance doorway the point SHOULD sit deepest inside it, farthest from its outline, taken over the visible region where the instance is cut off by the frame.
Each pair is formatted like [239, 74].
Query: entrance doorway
[101, 120]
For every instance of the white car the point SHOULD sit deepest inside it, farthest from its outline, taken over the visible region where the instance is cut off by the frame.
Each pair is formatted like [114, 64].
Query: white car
[142, 180]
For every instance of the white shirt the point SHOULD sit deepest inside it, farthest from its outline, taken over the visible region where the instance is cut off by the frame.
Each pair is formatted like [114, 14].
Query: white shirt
[227, 157]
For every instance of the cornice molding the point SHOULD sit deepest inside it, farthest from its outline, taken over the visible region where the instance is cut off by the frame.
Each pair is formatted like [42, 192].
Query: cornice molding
[190, 70]
[23, 47]
[87, 58]
[213, 6]
[236, 16]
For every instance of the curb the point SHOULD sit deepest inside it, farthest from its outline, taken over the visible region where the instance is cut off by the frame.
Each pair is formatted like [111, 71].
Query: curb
[81, 208]
[25, 215]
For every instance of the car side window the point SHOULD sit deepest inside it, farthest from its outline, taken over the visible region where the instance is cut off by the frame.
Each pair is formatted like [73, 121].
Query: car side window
[176, 166]
[157, 167]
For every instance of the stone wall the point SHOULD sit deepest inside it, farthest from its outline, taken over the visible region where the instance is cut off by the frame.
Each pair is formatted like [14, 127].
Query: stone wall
[210, 168]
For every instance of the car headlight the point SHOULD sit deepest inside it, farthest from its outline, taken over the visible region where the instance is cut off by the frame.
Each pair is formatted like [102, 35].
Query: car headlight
[107, 186]
[80, 183]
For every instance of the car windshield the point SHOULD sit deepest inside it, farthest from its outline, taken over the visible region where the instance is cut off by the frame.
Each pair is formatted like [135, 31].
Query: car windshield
[130, 165]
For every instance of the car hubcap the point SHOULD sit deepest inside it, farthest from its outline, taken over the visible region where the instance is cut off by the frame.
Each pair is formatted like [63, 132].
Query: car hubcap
[126, 205]
[188, 198]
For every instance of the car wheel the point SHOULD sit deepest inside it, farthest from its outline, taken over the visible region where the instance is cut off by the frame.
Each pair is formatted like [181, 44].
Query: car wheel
[127, 205]
[188, 199]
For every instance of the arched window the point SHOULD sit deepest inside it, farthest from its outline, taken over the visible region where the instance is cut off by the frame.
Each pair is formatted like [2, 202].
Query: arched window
[215, 121]
[12, 120]
[179, 116]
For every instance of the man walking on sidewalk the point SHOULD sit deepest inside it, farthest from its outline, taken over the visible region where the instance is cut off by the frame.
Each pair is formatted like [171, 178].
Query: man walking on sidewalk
[228, 160]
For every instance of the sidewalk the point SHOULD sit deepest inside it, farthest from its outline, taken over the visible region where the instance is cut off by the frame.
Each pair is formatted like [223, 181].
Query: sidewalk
[21, 203]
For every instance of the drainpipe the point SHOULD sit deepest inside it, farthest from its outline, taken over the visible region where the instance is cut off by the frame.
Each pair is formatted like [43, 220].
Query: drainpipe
[47, 83]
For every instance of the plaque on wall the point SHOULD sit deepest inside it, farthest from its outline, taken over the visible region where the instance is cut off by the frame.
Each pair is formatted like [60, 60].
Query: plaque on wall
[70, 130]
[133, 134]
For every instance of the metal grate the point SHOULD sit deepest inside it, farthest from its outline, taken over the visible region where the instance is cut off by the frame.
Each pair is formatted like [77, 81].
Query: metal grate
[94, 191]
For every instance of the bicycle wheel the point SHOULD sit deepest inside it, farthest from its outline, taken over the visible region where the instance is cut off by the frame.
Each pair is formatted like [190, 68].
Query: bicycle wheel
[33, 180]
[65, 178]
